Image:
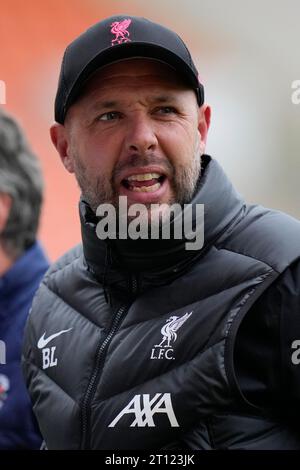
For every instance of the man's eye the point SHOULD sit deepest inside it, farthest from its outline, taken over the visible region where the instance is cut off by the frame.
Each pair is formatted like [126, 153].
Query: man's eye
[110, 116]
[166, 110]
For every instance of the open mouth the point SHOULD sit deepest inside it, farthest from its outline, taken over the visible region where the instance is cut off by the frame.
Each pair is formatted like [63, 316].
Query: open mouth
[144, 182]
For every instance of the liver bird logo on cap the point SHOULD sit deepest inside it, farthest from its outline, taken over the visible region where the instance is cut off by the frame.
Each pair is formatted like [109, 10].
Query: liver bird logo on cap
[119, 29]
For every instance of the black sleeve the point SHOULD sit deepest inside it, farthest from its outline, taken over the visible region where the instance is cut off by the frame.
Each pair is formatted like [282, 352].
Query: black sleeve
[267, 350]
[290, 343]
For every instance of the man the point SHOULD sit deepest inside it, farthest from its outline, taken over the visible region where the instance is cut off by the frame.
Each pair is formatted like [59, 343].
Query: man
[22, 266]
[138, 342]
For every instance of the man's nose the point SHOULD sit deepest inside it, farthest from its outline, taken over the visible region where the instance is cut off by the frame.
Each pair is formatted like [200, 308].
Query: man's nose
[140, 135]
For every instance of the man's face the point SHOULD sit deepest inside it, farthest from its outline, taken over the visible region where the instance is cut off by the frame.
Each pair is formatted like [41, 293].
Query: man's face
[136, 131]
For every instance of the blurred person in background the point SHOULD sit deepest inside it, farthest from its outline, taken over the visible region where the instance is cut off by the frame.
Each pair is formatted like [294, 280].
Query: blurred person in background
[143, 343]
[22, 266]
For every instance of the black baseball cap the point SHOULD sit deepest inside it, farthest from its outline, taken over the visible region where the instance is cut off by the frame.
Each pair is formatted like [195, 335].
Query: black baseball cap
[116, 38]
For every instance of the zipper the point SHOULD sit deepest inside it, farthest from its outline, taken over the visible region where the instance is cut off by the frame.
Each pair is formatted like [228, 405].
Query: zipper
[99, 361]
[93, 383]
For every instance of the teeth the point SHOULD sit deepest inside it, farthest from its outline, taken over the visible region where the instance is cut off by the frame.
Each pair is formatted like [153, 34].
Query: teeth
[143, 177]
[147, 189]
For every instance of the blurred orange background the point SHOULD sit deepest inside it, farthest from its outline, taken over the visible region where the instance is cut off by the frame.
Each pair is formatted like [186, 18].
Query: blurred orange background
[33, 36]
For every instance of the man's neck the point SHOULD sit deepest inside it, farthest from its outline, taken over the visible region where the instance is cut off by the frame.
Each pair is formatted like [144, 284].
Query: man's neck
[5, 262]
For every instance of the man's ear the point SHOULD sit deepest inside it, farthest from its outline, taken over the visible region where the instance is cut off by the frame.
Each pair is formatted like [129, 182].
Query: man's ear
[203, 125]
[5, 206]
[60, 141]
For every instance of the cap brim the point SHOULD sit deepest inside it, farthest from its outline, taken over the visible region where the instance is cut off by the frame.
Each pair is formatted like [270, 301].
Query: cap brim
[130, 50]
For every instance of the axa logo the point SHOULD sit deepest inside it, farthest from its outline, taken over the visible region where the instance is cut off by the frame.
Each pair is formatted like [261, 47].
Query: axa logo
[4, 387]
[143, 408]
[164, 349]
[119, 29]
[49, 359]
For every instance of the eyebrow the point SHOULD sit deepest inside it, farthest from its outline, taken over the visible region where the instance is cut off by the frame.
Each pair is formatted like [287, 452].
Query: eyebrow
[105, 104]
[163, 99]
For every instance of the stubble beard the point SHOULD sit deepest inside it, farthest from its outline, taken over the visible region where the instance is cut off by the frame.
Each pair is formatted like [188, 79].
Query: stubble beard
[98, 190]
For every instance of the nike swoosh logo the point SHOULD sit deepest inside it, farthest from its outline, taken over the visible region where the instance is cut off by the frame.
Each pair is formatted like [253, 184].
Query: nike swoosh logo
[42, 342]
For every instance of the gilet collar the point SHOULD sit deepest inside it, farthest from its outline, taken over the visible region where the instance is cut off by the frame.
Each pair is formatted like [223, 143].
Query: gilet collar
[157, 261]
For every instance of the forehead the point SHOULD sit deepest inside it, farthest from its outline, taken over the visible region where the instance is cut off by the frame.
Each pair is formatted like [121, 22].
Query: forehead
[132, 73]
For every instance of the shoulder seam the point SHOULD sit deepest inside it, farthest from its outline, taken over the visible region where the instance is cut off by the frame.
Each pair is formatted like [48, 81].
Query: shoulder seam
[60, 268]
[248, 256]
